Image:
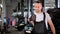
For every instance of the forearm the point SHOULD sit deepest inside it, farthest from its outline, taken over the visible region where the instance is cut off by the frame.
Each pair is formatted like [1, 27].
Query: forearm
[31, 22]
[53, 29]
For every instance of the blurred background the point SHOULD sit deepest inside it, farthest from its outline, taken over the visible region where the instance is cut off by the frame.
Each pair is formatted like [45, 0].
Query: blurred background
[14, 14]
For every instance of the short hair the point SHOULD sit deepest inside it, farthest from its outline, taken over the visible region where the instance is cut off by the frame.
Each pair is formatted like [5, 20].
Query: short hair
[39, 2]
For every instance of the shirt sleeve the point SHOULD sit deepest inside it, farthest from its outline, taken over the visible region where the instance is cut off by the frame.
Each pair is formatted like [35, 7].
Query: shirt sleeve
[48, 16]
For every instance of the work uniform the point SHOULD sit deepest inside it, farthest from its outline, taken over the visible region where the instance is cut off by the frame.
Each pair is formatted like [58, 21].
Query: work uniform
[40, 23]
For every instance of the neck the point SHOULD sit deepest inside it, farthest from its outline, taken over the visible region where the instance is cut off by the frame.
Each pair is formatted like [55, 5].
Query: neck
[38, 12]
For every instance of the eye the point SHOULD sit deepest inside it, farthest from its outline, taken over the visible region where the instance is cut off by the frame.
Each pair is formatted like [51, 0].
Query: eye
[36, 6]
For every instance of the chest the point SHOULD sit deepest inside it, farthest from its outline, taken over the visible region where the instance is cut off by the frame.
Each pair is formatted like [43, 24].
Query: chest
[39, 17]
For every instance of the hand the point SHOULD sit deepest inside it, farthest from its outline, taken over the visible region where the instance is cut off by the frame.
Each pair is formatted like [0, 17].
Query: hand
[32, 23]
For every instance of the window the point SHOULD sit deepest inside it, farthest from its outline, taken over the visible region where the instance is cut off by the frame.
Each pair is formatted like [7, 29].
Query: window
[49, 4]
[58, 3]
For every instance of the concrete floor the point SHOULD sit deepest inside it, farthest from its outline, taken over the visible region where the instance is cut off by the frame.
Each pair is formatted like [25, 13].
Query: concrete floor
[16, 32]
[13, 30]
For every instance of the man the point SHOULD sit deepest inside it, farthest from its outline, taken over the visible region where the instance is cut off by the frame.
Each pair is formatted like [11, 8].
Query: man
[41, 19]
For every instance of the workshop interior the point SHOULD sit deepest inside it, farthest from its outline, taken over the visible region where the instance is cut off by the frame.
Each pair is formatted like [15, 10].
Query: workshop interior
[14, 15]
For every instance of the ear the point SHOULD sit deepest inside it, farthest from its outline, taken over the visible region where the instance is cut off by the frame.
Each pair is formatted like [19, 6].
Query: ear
[42, 9]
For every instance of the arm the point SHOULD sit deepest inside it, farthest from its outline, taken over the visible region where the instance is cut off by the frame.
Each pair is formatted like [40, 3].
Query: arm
[51, 26]
[31, 19]
[31, 22]
[50, 23]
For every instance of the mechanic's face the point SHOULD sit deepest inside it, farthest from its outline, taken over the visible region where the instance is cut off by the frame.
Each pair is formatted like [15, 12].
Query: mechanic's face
[38, 6]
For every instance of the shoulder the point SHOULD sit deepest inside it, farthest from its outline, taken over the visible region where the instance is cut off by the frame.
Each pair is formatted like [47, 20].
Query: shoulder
[47, 15]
